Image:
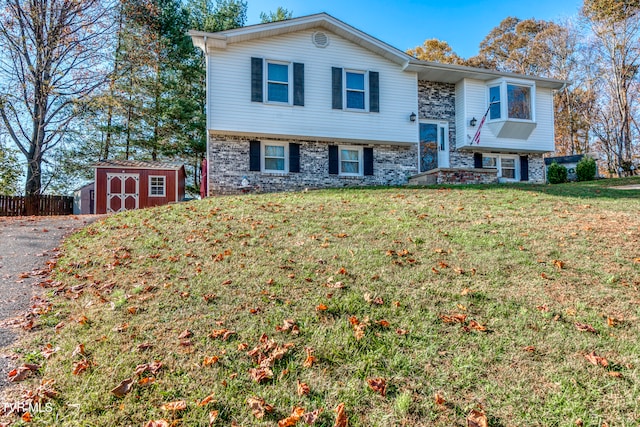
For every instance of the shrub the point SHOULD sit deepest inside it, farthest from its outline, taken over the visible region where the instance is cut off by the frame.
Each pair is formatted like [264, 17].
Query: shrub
[586, 169]
[557, 174]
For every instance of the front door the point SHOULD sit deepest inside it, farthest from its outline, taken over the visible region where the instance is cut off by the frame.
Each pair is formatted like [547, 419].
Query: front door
[434, 145]
[123, 191]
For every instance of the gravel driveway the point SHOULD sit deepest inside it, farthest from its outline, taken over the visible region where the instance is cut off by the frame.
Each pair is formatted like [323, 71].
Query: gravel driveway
[26, 243]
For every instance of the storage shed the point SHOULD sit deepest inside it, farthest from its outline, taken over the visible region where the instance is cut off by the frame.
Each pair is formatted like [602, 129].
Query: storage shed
[84, 200]
[132, 184]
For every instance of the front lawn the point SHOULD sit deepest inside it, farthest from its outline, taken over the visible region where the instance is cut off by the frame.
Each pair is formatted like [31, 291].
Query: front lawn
[410, 306]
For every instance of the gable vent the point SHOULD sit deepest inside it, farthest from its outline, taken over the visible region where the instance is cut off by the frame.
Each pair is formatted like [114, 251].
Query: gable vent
[320, 39]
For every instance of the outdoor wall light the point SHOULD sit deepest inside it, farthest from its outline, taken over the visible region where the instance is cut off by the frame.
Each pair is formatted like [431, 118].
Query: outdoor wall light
[413, 117]
[473, 122]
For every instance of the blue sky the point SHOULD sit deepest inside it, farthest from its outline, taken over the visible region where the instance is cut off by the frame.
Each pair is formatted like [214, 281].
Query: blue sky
[407, 23]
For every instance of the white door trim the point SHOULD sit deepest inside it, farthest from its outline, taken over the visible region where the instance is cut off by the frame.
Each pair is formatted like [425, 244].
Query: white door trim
[123, 195]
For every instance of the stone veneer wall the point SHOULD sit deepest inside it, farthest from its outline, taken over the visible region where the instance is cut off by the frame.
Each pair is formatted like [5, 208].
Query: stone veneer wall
[437, 101]
[229, 163]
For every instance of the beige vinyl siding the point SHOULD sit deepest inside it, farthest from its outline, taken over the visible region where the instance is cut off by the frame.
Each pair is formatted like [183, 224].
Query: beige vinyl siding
[475, 105]
[231, 109]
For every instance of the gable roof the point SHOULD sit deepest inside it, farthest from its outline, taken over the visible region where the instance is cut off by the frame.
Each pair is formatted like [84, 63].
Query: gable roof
[426, 70]
[323, 20]
[138, 164]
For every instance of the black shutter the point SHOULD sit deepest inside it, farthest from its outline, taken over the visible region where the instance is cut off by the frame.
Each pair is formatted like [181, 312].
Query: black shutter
[367, 160]
[336, 88]
[254, 156]
[333, 159]
[477, 160]
[256, 79]
[294, 157]
[374, 92]
[298, 84]
[524, 168]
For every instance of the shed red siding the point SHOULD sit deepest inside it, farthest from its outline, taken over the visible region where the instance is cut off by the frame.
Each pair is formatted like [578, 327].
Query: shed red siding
[174, 187]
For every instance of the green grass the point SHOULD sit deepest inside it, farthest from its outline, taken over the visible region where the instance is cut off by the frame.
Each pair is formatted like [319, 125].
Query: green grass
[492, 253]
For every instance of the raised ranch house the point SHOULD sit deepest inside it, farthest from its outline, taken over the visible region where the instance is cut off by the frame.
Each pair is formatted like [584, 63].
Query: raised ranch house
[313, 102]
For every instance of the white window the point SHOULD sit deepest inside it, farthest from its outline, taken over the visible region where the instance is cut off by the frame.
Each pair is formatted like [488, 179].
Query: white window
[519, 102]
[277, 82]
[519, 98]
[494, 103]
[350, 161]
[274, 157]
[157, 186]
[355, 90]
[507, 166]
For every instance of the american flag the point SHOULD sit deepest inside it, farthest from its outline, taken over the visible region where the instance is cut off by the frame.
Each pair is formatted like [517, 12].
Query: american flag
[476, 137]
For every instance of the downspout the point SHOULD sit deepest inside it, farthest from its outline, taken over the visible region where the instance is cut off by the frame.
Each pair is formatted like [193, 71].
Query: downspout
[206, 112]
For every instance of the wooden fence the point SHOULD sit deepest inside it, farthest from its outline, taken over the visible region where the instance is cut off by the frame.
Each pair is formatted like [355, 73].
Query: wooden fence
[35, 205]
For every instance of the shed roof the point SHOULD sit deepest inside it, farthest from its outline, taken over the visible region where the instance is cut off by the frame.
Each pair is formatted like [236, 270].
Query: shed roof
[138, 164]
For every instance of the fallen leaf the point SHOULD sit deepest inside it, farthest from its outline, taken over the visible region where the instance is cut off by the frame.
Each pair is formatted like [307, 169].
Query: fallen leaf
[311, 417]
[146, 381]
[221, 333]
[178, 405]
[185, 334]
[26, 417]
[258, 406]
[612, 322]
[402, 331]
[123, 388]
[583, 327]
[596, 360]
[341, 416]
[292, 419]
[48, 351]
[260, 374]
[213, 415]
[477, 326]
[302, 388]
[79, 350]
[19, 374]
[321, 307]
[529, 349]
[383, 323]
[208, 361]
[454, 318]
[209, 297]
[379, 385]
[144, 346]
[81, 366]
[477, 419]
[310, 359]
[615, 374]
[288, 325]
[157, 423]
[206, 400]
[439, 399]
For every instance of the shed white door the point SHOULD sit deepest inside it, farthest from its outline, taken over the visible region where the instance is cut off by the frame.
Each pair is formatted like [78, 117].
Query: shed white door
[123, 191]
